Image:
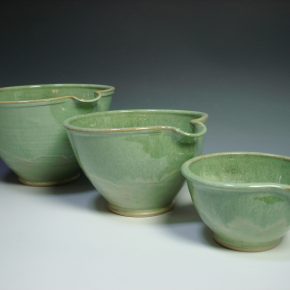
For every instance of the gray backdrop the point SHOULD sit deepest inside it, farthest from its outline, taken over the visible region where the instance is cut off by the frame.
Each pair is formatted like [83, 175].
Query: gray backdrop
[227, 58]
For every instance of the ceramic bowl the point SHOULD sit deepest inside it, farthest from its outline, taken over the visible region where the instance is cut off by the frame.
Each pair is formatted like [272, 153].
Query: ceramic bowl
[33, 142]
[244, 198]
[133, 158]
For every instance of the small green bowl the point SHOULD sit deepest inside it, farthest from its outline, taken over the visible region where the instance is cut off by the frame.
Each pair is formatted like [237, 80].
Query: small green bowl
[244, 198]
[33, 142]
[133, 158]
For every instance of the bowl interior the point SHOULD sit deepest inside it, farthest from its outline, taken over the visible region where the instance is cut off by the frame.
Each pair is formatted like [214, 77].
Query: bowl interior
[137, 119]
[242, 168]
[42, 92]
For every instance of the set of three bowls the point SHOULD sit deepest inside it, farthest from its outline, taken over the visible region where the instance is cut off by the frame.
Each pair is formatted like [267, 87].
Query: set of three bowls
[137, 159]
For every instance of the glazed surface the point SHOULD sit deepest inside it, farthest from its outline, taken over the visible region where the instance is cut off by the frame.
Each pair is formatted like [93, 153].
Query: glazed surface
[136, 170]
[51, 92]
[243, 198]
[33, 141]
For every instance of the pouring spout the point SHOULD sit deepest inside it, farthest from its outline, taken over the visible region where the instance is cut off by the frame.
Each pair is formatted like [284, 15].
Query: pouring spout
[275, 189]
[199, 130]
[286, 189]
[203, 119]
[97, 97]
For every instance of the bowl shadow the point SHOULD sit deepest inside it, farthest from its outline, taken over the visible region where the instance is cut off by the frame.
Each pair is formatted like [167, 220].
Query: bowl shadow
[185, 223]
[78, 185]
[78, 193]
[182, 214]
[7, 175]
[101, 205]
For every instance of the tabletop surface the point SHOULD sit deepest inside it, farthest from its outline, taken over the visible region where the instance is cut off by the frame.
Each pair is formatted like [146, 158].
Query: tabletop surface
[65, 238]
[227, 58]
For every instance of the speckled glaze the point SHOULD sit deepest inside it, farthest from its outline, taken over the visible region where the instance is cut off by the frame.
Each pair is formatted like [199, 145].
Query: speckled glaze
[133, 158]
[33, 142]
[244, 198]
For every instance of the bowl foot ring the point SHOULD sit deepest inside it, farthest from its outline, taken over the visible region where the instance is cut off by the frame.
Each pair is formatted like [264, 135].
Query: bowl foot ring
[139, 213]
[246, 248]
[48, 183]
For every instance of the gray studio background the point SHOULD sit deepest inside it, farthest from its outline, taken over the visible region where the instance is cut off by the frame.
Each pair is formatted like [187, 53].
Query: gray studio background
[227, 58]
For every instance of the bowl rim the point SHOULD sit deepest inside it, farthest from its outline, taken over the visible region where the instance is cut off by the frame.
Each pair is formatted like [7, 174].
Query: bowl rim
[108, 90]
[187, 173]
[199, 121]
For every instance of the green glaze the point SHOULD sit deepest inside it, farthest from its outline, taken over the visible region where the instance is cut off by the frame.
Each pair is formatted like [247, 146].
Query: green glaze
[33, 142]
[244, 198]
[133, 158]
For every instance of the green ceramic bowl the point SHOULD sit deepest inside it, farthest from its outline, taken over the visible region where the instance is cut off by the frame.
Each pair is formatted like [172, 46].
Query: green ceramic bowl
[244, 198]
[133, 158]
[33, 142]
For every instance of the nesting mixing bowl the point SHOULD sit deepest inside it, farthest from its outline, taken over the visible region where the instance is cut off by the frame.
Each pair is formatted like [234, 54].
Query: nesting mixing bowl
[244, 198]
[33, 142]
[133, 157]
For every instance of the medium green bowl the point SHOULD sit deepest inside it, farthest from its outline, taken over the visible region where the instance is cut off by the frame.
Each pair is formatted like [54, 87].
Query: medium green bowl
[244, 198]
[133, 158]
[33, 142]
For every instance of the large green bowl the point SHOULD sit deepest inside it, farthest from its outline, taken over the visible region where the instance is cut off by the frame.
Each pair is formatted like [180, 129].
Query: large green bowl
[244, 198]
[133, 158]
[33, 142]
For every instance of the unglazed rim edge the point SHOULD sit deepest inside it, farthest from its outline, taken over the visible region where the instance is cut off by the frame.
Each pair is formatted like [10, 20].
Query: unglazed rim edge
[108, 91]
[244, 186]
